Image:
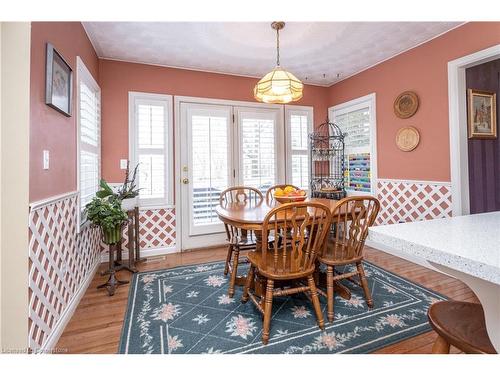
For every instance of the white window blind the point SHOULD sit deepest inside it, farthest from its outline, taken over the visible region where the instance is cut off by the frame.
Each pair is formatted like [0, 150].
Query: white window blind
[357, 122]
[299, 125]
[210, 141]
[149, 137]
[89, 140]
[258, 150]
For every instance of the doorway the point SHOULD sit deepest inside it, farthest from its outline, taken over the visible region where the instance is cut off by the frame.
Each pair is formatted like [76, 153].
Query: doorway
[457, 104]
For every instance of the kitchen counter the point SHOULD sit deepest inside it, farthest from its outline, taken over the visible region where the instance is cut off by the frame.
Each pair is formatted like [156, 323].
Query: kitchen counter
[465, 247]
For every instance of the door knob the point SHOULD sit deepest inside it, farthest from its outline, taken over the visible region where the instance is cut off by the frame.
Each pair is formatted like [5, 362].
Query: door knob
[185, 180]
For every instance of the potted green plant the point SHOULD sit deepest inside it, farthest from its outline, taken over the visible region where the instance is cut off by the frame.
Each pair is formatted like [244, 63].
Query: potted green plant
[108, 214]
[127, 193]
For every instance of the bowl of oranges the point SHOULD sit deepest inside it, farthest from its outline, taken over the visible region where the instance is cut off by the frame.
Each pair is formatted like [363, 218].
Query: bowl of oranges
[289, 194]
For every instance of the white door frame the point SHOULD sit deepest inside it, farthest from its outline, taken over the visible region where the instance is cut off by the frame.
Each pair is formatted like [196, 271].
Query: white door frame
[457, 105]
[179, 175]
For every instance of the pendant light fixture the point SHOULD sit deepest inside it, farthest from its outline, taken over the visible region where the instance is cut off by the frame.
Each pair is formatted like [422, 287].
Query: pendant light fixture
[278, 86]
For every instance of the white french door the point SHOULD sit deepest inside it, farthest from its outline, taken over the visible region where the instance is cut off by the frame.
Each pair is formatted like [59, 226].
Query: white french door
[206, 170]
[222, 146]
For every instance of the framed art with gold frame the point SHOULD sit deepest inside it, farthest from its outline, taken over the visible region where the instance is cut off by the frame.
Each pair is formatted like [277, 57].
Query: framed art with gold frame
[482, 116]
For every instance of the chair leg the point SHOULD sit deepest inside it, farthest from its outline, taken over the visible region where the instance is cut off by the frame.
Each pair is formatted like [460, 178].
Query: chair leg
[315, 302]
[268, 306]
[364, 284]
[234, 271]
[441, 346]
[228, 259]
[329, 292]
[248, 283]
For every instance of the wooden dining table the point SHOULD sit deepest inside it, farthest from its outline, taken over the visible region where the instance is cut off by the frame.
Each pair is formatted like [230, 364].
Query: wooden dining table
[249, 217]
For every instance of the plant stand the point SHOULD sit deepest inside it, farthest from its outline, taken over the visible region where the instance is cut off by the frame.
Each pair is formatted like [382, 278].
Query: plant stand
[112, 282]
[134, 255]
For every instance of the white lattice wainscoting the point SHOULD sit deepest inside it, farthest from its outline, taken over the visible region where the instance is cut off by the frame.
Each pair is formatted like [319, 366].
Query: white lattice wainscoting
[156, 233]
[62, 263]
[407, 200]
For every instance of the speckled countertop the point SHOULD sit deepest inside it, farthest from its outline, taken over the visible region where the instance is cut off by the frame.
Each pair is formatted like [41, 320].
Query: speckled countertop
[470, 244]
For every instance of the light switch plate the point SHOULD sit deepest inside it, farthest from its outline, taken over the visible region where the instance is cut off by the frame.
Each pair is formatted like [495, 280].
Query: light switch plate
[46, 159]
[123, 163]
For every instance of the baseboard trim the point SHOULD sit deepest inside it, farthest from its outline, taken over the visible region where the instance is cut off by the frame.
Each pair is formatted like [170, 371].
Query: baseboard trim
[66, 316]
[146, 253]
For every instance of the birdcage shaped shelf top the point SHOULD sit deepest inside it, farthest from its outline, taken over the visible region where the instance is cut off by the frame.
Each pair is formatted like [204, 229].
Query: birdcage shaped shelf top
[327, 161]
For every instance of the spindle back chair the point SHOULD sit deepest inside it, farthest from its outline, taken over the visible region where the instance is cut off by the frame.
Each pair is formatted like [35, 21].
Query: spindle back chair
[288, 259]
[238, 240]
[351, 219]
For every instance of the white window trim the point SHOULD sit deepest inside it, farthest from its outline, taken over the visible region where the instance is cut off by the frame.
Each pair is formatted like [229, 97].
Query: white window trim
[298, 110]
[352, 105]
[83, 74]
[168, 201]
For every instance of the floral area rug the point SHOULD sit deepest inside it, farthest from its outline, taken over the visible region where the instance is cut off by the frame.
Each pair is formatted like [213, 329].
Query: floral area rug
[187, 310]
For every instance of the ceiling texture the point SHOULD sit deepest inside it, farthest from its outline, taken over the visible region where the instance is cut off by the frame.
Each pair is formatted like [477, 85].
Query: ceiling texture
[320, 53]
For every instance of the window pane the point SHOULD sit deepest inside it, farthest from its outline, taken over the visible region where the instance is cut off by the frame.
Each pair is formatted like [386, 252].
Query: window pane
[298, 132]
[258, 153]
[89, 116]
[151, 176]
[356, 125]
[300, 171]
[151, 126]
[89, 176]
[210, 166]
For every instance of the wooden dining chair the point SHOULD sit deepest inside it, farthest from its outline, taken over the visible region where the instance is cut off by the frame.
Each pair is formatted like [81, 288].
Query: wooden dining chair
[351, 219]
[292, 259]
[272, 189]
[238, 240]
[460, 324]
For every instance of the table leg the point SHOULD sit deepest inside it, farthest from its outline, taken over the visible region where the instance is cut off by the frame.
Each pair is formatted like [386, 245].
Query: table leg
[259, 284]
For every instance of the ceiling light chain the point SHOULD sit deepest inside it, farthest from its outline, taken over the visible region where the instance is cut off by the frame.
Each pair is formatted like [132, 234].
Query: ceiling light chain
[277, 46]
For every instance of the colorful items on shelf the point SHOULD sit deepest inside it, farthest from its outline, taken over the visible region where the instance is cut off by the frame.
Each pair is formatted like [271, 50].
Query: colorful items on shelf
[357, 172]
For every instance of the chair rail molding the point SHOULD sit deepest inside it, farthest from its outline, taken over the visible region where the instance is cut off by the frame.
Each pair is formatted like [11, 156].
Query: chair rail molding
[457, 104]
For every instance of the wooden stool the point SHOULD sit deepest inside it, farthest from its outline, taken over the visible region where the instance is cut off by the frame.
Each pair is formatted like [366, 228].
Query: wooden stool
[460, 324]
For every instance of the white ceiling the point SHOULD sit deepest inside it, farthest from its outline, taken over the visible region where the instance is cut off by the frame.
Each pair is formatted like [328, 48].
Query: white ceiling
[316, 52]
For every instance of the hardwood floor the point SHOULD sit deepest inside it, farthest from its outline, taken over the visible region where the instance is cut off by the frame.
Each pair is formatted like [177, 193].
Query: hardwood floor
[96, 324]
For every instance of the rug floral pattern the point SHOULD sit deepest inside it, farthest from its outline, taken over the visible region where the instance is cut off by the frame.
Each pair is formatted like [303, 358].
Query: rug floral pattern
[187, 310]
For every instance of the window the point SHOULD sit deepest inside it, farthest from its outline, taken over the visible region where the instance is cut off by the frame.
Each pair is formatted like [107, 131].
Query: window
[356, 119]
[298, 126]
[259, 145]
[89, 134]
[150, 135]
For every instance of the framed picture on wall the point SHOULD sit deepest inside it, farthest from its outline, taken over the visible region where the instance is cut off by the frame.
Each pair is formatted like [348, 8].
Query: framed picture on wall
[58, 82]
[482, 118]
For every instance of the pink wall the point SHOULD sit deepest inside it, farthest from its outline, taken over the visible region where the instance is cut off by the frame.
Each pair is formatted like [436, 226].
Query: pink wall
[424, 70]
[51, 130]
[118, 78]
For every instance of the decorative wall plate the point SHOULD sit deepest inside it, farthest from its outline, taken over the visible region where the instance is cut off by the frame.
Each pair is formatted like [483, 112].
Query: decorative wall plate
[406, 104]
[407, 138]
